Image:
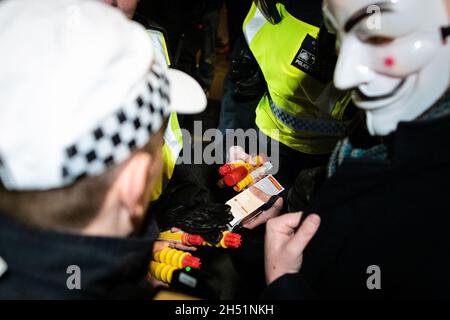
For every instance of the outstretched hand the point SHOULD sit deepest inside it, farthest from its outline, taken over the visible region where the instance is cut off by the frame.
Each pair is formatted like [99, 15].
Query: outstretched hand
[284, 244]
[237, 153]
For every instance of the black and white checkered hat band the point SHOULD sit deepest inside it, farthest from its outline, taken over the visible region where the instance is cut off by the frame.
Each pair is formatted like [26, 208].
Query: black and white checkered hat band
[122, 133]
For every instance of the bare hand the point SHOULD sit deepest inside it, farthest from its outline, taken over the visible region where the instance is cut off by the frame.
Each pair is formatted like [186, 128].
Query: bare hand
[179, 246]
[237, 153]
[284, 245]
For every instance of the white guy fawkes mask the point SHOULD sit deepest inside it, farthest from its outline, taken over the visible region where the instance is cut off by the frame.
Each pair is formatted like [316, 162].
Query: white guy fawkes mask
[393, 54]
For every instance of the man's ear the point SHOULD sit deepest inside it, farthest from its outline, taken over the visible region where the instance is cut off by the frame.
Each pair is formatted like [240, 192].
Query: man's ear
[132, 182]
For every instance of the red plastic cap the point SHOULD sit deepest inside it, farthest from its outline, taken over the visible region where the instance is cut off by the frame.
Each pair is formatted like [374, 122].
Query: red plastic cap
[233, 240]
[224, 170]
[236, 176]
[193, 262]
[194, 240]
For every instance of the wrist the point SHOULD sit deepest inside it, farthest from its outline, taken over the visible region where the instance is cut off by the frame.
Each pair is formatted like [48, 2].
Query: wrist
[273, 276]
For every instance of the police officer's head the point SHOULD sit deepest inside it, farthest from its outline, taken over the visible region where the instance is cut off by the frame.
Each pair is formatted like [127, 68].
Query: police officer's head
[307, 11]
[393, 54]
[127, 6]
[83, 108]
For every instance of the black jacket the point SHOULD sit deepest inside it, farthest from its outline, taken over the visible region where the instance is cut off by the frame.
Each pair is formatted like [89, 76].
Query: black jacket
[394, 214]
[38, 261]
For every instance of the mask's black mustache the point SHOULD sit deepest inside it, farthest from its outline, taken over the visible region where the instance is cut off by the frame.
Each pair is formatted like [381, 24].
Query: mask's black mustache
[445, 33]
[367, 98]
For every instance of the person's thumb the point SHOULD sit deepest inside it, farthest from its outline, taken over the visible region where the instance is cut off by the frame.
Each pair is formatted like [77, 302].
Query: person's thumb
[305, 233]
[286, 223]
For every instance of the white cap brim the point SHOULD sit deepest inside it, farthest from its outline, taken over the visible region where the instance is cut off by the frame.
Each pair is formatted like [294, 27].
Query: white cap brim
[186, 95]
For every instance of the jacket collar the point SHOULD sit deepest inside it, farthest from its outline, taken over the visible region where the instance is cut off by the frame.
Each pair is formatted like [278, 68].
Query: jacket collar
[424, 142]
[38, 263]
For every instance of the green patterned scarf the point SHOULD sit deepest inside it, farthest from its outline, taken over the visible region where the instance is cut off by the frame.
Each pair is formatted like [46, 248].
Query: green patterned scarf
[344, 149]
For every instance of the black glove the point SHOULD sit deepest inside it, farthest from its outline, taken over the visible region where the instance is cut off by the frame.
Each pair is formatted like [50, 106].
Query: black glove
[208, 220]
[246, 75]
[308, 182]
[187, 207]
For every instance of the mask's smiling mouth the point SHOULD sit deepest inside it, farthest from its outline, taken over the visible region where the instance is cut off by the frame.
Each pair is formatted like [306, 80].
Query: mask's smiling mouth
[361, 96]
[366, 102]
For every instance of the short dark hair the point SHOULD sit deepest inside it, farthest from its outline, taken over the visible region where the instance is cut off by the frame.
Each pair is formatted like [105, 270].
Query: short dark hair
[69, 208]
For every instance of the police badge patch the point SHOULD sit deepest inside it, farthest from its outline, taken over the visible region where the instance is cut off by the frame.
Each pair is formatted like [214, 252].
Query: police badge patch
[305, 59]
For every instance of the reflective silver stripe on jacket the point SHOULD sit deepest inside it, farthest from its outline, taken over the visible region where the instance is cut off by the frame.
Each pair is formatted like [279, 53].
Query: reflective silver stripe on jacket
[254, 25]
[173, 138]
[325, 127]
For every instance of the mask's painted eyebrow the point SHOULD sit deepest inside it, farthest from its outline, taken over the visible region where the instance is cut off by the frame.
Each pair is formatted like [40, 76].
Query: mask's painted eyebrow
[364, 14]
